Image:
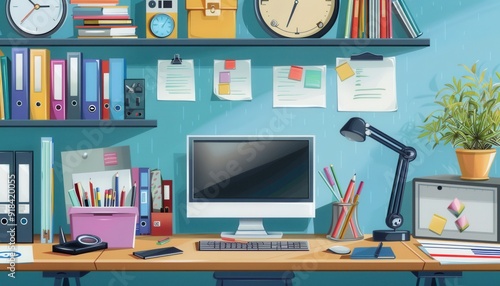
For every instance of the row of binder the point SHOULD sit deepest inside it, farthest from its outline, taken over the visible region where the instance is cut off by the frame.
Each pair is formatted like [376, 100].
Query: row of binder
[16, 196]
[73, 88]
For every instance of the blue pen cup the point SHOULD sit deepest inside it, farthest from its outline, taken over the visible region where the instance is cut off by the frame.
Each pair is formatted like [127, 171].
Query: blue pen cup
[345, 222]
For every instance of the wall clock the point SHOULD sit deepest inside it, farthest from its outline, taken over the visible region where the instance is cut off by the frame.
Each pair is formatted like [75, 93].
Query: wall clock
[297, 18]
[161, 18]
[161, 25]
[36, 18]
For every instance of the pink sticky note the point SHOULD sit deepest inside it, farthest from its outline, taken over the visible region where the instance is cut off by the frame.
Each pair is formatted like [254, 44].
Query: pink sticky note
[456, 207]
[462, 223]
[110, 159]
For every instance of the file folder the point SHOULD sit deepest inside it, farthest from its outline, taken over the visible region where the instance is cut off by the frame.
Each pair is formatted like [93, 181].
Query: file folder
[105, 90]
[135, 182]
[145, 201]
[20, 83]
[58, 89]
[39, 84]
[91, 89]
[4, 85]
[117, 75]
[47, 190]
[74, 88]
[24, 196]
[7, 196]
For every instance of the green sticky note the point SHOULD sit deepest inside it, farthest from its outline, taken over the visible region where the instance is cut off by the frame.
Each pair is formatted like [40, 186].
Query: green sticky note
[312, 79]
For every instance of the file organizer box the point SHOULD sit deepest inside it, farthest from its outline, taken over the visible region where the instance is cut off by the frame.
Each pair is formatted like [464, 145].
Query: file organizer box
[114, 225]
[211, 18]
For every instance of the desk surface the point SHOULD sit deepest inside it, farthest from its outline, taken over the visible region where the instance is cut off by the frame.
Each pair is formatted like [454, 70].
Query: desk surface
[318, 258]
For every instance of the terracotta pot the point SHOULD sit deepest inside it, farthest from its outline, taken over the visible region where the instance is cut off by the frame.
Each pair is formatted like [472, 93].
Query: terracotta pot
[475, 164]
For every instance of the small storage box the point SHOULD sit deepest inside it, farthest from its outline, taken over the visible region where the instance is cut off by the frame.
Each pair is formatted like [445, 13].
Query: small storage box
[211, 18]
[114, 225]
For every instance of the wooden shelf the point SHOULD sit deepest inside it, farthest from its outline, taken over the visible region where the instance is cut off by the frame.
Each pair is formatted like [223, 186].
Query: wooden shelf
[400, 42]
[79, 123]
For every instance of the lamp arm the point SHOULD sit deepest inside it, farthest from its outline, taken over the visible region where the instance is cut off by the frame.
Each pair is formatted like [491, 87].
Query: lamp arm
[394, 219]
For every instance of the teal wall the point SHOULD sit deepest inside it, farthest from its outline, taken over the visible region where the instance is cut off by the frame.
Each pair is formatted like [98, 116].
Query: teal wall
[460, 32]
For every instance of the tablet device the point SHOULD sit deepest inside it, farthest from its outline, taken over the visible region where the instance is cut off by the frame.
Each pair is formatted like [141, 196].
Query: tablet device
[157, 252]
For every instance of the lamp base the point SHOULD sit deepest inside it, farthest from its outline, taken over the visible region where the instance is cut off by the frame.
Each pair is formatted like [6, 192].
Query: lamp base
[391, 235]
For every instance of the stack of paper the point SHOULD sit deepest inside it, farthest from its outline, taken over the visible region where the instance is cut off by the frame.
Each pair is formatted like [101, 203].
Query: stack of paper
[457, 252]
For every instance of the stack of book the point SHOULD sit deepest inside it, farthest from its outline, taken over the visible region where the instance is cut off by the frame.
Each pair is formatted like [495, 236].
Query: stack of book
[103, 19]
[373, 19]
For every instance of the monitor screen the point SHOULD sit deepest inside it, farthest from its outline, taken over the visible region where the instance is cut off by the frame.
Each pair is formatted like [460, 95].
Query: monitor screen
[250, 176]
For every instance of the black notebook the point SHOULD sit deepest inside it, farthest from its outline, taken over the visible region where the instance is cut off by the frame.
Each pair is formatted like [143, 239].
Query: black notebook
[370, 253]
[157, 252]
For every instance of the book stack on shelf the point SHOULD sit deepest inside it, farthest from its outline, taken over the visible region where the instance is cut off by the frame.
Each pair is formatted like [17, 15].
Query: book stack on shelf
[373, 19]
[103, 19]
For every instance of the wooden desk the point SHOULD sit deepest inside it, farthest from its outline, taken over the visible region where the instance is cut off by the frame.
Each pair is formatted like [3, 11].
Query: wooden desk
[317, 259]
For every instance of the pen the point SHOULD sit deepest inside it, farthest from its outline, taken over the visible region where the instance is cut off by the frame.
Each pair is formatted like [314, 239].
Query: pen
[377, 251]
[115, 197]
[163, 241]
[336, 181]
[351, 210]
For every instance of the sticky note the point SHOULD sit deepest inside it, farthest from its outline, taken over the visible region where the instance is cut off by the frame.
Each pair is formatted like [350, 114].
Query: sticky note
[437, 224]
[344, 71]
[462, 223]
[230, 64]
[224, 89]
[295, 73]
[224, 77]
[312, 79]
[456, 207]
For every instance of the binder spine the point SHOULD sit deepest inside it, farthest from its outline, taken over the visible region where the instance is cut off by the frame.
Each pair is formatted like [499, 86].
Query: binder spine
[117, 75]
[7, 197]
[58, 89]
[91, 89]
[145, 201]
[20, 83]
[24, 196]
[73, 92]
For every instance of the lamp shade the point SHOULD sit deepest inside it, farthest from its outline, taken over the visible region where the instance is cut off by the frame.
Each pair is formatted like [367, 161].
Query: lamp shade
[354, 129]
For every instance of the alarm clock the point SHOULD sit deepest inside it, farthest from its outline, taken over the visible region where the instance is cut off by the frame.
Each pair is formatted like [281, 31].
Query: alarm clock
[297, 18]
[39, 18]
[161, 19]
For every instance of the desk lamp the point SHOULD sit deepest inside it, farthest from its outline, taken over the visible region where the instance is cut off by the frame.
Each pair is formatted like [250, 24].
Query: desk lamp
[356, 129]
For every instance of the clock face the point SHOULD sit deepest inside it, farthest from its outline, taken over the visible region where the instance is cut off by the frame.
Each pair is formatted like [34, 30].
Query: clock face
[36, 18]
[297, 18]
[161, 25]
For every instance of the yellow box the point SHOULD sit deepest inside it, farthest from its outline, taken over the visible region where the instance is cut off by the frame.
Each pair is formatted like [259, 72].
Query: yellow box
[211, 18]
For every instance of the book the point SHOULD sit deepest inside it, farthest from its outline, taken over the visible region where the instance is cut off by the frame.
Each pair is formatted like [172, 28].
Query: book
[107, 31]
[369, 253]
[157, 252]
[100, 10]
[404, 18]
[410, 17]
[87, 22]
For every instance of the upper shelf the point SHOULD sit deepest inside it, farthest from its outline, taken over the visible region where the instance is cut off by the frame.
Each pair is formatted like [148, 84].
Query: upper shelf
[216, 42]
[79, 123]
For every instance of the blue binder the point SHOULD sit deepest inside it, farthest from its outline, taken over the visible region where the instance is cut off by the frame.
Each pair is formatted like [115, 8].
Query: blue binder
[91, 89]
[20, 84]
[117, 75]
[145, 201]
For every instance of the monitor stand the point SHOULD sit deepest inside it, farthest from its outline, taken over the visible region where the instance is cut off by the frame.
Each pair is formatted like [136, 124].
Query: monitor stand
[251, 228]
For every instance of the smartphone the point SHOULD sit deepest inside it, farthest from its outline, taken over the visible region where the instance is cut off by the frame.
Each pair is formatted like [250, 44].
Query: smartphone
[157, 252]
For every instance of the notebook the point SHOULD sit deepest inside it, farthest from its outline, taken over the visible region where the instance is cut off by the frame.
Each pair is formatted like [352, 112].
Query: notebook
[369, 253]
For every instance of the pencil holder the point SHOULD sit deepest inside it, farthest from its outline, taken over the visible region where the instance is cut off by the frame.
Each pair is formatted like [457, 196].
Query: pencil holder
[344, 222]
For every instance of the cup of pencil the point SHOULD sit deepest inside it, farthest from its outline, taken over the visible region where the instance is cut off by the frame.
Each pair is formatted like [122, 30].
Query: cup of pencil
[345, 222]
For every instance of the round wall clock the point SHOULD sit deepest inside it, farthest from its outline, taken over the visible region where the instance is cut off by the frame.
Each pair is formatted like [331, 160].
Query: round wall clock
[161, 25]
[36, 18]
[297, 18]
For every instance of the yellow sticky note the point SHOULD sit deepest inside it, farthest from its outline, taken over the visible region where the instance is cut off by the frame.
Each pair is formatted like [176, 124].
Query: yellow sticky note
[437, 224]
[344, 71]
[224, 89]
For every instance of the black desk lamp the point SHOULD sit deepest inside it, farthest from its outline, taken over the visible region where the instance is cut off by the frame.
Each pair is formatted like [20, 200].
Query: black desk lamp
[356, 129]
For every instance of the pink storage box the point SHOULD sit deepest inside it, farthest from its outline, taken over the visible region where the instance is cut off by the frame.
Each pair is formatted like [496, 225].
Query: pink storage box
[114, 225]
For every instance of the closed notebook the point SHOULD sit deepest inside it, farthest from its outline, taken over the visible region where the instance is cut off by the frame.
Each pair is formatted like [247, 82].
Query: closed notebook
[369, 253]
[158, 252]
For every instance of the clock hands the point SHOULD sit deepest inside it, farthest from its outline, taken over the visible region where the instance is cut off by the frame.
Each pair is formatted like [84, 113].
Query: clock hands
[35, 7]
[293, 11]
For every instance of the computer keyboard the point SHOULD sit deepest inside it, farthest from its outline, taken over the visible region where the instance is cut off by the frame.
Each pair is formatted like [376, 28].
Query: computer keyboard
[282, 245]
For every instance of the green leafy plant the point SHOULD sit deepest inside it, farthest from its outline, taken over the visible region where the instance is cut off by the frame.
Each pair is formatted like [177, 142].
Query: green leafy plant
[469, 114]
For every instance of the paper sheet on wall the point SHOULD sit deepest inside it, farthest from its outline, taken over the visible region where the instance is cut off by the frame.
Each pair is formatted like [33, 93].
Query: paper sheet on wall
[299, 86]
[176, 80]
[233, 79]
[372, 87]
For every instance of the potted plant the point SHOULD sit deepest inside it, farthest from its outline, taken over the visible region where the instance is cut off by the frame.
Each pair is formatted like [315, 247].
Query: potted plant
[468, 118]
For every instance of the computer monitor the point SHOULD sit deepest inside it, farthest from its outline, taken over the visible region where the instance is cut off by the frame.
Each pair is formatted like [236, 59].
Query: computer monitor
[250, 178]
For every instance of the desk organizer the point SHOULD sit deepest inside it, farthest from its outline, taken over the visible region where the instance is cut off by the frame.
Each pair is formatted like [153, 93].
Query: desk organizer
[114, 225]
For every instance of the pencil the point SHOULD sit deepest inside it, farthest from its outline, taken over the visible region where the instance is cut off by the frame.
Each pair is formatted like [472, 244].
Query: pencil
[330, 187]
[351, 211]
[336, 181]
